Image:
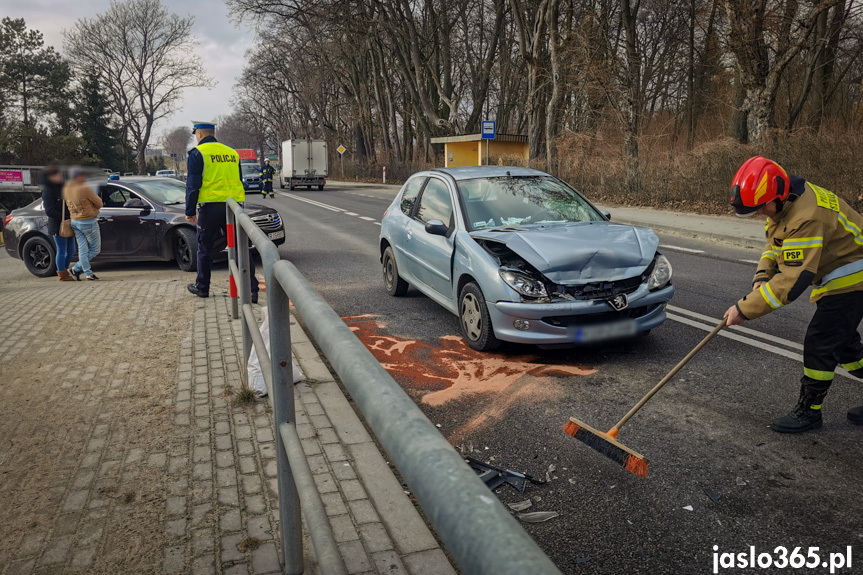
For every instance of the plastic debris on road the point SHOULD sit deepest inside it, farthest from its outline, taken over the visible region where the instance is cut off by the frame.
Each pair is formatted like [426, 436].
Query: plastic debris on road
[520, 505]
[740, 481]
[689, 508]
[537, 516]
[579, 560]
[712, 494]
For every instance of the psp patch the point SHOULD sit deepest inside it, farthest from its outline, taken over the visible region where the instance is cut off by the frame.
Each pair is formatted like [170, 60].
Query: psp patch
[793, 255]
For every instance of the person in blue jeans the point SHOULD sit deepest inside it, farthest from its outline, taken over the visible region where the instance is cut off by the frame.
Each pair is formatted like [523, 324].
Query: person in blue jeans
[84, 206]
[52, 203]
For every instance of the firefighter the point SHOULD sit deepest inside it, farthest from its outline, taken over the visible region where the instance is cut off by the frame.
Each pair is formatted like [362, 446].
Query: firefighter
[214, 175]
[813, 238]
[267, 179]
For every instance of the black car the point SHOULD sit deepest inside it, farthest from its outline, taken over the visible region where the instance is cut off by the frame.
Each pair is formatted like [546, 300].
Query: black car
[251, 177]
[143, 219]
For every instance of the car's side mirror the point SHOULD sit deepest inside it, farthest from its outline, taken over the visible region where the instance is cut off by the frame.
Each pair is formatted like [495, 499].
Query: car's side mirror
[606, 214]
[436, 228]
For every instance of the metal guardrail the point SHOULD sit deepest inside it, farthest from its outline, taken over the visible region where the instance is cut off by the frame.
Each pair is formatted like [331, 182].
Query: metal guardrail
[479, 532]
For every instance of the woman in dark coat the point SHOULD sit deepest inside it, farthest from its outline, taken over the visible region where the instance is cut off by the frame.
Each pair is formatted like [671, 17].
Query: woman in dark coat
[52, 201]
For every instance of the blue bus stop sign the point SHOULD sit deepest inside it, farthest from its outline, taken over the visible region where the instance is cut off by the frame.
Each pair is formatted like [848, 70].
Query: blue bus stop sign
[488, 130]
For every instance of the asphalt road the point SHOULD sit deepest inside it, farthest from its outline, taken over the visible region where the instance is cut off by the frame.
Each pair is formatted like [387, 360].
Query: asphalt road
[706, 430]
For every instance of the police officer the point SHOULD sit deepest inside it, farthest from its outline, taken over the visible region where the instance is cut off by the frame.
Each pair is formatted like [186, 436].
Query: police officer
[813, 238]
[267, 179]
[214, 175]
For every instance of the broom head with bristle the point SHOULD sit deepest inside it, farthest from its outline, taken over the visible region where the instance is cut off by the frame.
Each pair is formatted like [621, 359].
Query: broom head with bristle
[607, 445]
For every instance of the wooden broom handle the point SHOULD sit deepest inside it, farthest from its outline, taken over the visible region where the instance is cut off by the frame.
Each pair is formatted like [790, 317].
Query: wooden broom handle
[668, 377]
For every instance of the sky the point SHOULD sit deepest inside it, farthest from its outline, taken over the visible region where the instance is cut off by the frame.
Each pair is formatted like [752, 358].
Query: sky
[222, 47]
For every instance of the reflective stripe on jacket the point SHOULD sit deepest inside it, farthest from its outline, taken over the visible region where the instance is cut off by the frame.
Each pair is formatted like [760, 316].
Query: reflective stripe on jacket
[221, 177]
[267, 174]
[815, 240]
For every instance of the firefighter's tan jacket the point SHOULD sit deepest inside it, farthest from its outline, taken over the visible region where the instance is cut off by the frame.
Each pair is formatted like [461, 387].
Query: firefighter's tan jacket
[815, 240]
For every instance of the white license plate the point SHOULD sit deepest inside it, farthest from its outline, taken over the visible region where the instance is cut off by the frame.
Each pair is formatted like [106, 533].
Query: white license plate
[605, 331]
[276, 235]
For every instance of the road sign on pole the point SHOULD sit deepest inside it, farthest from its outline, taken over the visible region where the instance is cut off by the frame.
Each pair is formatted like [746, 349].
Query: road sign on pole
[341, 150]
[488, 129]
[488, 132]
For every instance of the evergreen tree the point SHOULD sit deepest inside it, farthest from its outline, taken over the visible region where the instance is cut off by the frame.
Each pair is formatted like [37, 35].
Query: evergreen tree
[101, 141]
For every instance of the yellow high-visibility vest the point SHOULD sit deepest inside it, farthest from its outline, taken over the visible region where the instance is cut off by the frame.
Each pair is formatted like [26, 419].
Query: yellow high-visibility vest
[221, 177]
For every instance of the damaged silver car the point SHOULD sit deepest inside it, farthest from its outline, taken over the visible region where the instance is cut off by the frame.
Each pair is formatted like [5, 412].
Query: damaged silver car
[519, 256]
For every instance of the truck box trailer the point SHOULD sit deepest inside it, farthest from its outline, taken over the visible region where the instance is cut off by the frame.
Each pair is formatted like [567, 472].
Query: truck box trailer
[304, 163]
[247, 156]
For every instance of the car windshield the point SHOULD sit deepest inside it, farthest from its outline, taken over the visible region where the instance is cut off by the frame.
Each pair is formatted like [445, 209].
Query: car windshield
[250, 169]
[520, 201]
[164, 191]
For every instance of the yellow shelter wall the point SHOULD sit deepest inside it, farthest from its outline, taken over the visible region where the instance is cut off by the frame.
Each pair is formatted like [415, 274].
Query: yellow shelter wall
[461, 154]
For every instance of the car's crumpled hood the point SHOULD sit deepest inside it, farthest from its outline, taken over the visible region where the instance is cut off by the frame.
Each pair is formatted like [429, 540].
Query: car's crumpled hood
[580, 252]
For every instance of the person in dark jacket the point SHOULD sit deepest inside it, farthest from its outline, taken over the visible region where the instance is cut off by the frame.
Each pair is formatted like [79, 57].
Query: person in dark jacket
[52, 201]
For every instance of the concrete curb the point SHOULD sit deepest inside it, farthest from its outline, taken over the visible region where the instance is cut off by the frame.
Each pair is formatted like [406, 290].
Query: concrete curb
[701, 235]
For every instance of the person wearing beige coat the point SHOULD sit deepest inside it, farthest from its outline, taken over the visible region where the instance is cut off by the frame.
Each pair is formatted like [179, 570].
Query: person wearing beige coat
[84, 205]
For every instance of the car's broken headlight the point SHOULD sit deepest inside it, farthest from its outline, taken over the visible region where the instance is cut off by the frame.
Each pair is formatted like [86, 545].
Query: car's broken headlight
[523, 284]
[661, 273]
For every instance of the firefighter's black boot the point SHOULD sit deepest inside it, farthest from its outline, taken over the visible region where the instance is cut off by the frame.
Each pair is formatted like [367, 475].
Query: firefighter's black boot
[855, 415]
[806, 414]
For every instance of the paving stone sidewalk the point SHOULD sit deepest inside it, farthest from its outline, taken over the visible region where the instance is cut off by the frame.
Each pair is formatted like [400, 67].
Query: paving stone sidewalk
[124, 451]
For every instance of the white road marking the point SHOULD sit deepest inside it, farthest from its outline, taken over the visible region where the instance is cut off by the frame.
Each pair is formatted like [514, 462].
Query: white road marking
[377, 223]
[754, 343]
[680, 249]
[328, 207]
[740, 328]
[750, 261]
[314, 203]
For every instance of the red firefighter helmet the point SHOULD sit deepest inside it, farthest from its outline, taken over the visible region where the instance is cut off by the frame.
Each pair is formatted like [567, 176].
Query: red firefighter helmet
[759, 181]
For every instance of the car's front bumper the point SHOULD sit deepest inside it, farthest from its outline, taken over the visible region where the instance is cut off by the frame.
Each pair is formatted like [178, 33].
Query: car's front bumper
[564, 322]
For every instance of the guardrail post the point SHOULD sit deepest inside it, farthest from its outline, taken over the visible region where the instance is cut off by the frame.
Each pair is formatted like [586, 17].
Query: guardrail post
[284, 411]
[245, 285]
[232, 256]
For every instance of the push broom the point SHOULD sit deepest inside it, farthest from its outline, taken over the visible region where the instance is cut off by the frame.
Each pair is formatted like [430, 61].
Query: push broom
[607, 444]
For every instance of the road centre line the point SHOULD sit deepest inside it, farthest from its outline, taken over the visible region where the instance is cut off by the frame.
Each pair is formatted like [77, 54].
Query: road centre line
[328, 207]
[312, 202]
[740, 328]
[678, 248]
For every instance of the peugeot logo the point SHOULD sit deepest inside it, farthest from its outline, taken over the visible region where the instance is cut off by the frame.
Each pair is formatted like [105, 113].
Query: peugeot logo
[619, 302]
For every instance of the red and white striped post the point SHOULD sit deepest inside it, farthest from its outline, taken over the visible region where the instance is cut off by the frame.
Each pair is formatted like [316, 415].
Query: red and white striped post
[232, 254]
[385, 174]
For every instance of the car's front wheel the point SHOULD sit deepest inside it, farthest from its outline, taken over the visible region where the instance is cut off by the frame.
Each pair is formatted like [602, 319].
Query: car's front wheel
[186, 249]
[396, 286]
[38, 255]
[475, 320]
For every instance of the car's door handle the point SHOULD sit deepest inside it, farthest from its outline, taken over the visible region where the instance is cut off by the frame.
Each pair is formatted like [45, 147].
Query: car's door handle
[102, 220]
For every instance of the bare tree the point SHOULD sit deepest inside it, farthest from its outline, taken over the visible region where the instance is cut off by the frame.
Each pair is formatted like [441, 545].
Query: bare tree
[143, 55]
[176, 141]
[750, 40]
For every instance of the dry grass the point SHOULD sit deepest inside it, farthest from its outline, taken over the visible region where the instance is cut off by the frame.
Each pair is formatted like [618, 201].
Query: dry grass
[672, 177]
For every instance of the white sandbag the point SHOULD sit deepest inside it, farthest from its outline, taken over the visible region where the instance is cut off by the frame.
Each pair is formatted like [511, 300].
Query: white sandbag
[256, 377]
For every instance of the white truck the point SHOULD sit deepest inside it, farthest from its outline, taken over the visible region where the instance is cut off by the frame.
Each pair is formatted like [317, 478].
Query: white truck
[304, 163]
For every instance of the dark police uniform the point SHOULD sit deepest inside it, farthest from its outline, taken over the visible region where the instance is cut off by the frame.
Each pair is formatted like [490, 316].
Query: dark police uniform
[267, 180]
[214, 175]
